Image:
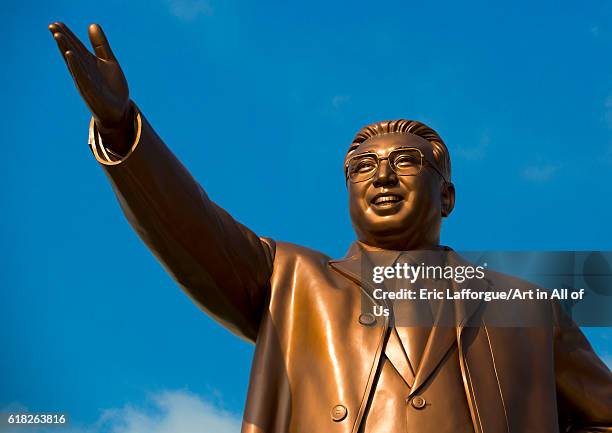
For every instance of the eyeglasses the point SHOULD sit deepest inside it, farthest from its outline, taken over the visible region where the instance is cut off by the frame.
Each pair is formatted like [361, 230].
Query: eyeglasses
[405, 161]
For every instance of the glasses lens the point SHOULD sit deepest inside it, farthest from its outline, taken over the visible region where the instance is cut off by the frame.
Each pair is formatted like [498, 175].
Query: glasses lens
[362, 167]
[406, 162]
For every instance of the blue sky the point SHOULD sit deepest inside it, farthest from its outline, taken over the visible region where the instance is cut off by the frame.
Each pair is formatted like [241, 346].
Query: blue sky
[521, 92]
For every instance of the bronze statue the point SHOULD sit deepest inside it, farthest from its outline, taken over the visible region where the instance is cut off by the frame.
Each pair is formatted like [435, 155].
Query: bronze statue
[321, 363]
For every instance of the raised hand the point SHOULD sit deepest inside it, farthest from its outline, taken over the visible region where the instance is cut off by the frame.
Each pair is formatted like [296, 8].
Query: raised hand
[100, 82]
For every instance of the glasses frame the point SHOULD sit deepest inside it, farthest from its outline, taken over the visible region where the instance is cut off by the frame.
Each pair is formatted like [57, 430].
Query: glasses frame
[382, 158]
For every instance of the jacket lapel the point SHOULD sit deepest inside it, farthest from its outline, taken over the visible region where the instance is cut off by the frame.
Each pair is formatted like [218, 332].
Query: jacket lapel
[441, 338]
[352, 267]
[356, 263]
[398, 358]
[451, 318]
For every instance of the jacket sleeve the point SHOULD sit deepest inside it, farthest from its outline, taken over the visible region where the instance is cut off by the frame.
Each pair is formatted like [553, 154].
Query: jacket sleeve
[584, 382]
[222, 265]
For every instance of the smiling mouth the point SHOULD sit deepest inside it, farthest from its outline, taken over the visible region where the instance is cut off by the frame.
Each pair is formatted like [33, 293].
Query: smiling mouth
[384, 200]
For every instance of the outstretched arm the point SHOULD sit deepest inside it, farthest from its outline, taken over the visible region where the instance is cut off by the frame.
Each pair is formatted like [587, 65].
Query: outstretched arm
[222, 265]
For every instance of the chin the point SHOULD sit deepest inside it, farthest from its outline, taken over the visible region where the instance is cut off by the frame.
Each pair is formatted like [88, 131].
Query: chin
[386, 226]
[398, 231]
[382, 232]
[389, 220]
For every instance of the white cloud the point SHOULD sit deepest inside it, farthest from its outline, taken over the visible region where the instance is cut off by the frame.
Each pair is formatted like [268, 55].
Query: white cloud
[338, 100]
[190, 9]
[173, 412]
[168, 412]
[477, 152]
[540, 173]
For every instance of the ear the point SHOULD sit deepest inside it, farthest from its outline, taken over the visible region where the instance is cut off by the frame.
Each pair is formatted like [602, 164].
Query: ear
[447, 197]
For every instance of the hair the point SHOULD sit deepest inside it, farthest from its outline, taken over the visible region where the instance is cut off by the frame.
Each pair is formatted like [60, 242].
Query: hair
[403, 126]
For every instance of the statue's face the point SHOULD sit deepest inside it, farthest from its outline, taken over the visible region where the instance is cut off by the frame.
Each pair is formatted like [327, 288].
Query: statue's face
[400, 212]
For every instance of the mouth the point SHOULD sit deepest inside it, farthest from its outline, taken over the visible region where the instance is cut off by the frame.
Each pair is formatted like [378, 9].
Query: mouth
[384, 200]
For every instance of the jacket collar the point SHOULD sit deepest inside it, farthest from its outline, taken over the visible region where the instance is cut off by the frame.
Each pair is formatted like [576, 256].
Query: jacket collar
[442, 335]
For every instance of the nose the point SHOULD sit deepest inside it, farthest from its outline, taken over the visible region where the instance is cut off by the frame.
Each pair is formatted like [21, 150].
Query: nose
[385, 174]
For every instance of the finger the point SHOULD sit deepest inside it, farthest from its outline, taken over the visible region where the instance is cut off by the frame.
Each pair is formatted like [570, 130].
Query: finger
[62, 43]
[76, 69]
[75, 41]
[53, 27]
[81, 78]
[100, 43]
[65, 45]
[56, 31]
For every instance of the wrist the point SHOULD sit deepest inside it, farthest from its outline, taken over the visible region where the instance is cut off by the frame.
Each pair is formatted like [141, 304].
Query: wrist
[118, 136]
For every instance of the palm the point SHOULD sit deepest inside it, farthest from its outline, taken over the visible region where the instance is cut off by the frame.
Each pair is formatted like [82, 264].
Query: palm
[98, 77]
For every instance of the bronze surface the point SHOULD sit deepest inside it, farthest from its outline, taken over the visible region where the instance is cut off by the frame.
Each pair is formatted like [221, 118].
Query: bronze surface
[320, 364]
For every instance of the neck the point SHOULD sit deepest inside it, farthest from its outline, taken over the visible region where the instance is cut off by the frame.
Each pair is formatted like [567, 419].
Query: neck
[394, 244]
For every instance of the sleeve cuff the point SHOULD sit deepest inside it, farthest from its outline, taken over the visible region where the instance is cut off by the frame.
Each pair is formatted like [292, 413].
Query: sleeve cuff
[105, 155]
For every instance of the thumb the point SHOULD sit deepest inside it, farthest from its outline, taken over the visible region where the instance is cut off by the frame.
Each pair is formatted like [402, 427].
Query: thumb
[100, 43]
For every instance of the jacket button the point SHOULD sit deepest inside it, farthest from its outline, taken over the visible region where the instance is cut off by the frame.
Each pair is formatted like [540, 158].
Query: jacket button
[339, 412]
[367, 319]
[418, 402]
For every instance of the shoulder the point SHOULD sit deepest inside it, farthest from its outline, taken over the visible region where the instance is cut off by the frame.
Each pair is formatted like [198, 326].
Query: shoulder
[298, 269]
[525, 304]
[286, 251]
